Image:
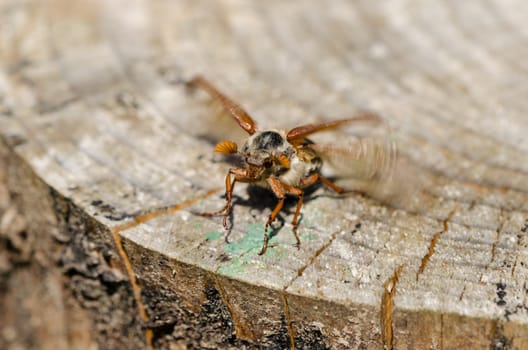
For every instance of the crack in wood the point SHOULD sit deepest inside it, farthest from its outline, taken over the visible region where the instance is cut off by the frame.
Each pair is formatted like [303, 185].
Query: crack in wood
[387, 309]
[141, 219]
[242, 330]
[462, 293]
[441, 331]
[136, 287]
[520, 237]
[287, 315]
[300, 271]
[514, 267]
[318, 252]
[525, 297]
[502, 222]
[434, 241]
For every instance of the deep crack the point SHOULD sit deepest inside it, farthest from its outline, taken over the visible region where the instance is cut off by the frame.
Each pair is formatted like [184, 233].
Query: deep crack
[300, 272]
[434, 241]
[387, 309]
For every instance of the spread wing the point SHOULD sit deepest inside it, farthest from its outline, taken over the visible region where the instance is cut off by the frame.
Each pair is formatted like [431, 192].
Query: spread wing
[243, 119]
[358, 147]
[361, 154]
[298, 135]
[364, 157]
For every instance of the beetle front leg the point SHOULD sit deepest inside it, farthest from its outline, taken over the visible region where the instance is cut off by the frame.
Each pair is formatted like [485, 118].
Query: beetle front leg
[241, 175]
[238, 174]
[299, 193]
[280, 189]
[230, 186]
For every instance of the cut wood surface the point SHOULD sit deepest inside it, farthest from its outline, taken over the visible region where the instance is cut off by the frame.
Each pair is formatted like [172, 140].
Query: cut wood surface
[106, 156]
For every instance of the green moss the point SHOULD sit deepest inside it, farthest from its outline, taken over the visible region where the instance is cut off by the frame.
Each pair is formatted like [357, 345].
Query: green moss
[252, 240]
[246, 249]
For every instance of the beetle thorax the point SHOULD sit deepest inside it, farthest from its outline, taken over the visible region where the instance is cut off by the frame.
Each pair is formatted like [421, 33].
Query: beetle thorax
[271, 153]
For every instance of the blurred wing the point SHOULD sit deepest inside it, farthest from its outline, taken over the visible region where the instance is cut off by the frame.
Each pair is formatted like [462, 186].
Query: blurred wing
[361, 156]
[216, 124]
[238, 113]
[365, 160]
[208, 119]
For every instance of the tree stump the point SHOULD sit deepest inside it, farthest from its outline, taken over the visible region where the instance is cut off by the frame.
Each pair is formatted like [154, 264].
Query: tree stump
[105, 156]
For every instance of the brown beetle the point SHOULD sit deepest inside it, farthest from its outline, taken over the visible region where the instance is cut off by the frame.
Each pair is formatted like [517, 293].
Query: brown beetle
[285, 162]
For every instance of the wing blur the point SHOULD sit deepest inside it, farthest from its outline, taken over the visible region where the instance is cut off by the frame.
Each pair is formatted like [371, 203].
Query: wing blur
[358, 148]
[210, 121]
[366, 161]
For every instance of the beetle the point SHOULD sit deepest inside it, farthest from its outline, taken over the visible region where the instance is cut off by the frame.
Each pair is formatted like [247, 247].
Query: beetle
[284, 161]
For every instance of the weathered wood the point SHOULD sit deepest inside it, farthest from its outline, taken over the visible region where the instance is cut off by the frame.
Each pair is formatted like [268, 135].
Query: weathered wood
[97, 131]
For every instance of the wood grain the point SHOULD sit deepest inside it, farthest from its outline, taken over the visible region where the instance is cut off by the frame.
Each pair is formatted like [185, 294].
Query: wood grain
[95, 118]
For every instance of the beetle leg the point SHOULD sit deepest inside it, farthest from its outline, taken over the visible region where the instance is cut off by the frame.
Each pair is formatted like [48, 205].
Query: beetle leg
[296, 192]
[230, 186]
[331, 185]
[300, 193]
[310, 180]
[280, 189]
[238, 174]
[241, 175]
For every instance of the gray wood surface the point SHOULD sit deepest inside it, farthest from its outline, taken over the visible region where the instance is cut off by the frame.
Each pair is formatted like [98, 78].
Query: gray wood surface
[94, 116]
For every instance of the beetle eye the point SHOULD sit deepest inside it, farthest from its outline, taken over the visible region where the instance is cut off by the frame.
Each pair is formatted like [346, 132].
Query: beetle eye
[267, 163]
